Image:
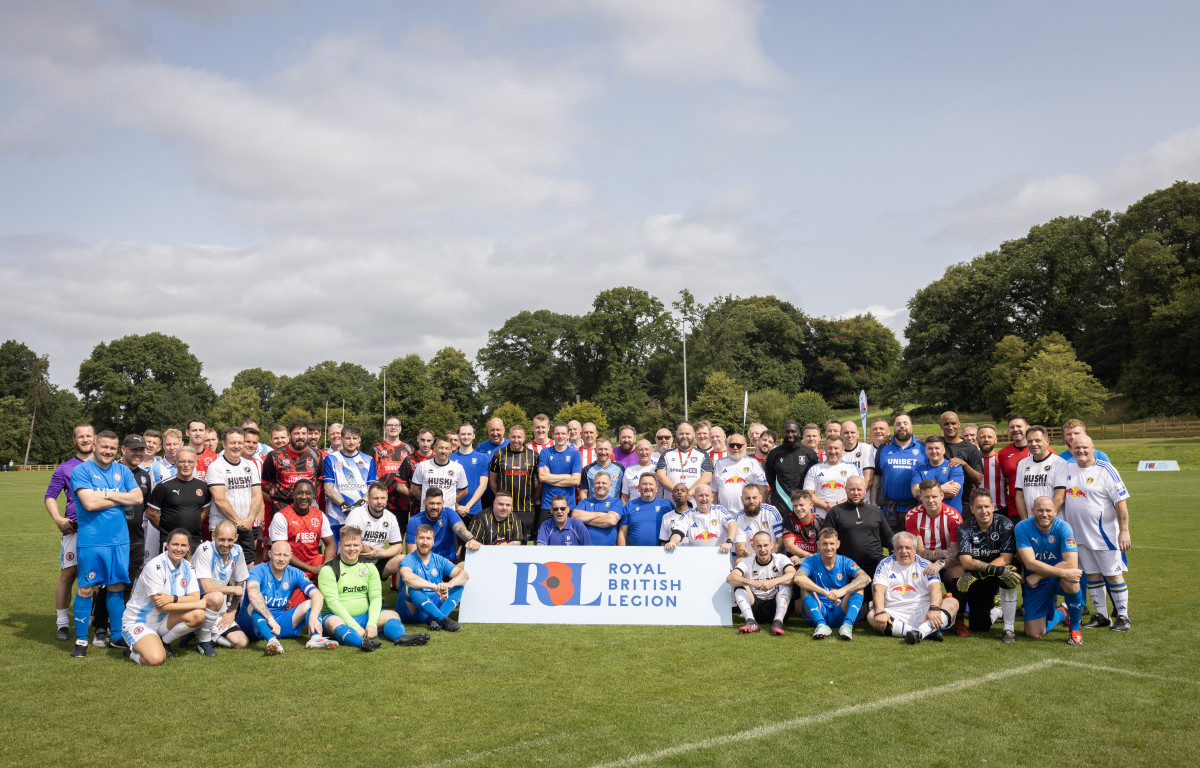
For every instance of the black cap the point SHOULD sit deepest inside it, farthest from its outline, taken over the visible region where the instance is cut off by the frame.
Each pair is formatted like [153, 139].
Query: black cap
[134, 442]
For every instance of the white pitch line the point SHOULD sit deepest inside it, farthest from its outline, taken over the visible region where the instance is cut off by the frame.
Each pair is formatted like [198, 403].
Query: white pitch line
[798, 722]
[1130, 672]
[1168, 549]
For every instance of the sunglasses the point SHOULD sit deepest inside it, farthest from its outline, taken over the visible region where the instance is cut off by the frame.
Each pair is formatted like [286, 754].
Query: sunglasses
[737, 445]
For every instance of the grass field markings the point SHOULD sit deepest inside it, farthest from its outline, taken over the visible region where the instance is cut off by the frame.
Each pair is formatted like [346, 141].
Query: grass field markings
[770, 729]
[1129, 672]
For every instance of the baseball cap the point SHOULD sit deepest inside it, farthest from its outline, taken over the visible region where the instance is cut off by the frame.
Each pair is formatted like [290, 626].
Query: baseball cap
[134, 441]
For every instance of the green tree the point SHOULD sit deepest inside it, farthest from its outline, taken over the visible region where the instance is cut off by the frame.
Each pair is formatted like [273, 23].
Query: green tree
[13, 427]
[326, 384]
[409, 390]
[583, 412]
[52, 435]
[510, 414]
[720, 402]
[1007, 358]
[809, 407]
[264, 382]
[626, 327]
[1055, 386]
[454, 376]
[17, 366]
[138, 382]
[235, 405]
[439, 417]
[532, 361]
[769, 406]
[853, 354]
[623, 396]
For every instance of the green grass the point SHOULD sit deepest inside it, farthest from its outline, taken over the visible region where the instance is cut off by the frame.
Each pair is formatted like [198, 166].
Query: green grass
[496, 695]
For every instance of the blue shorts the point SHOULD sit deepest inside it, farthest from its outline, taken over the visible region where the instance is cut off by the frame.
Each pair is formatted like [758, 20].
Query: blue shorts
[103, 565]
[361, 619]
[1040, 601]
[286, 620]
[834, 615]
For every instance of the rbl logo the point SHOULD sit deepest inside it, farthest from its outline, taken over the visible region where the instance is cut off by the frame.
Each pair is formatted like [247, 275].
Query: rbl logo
[553, 583]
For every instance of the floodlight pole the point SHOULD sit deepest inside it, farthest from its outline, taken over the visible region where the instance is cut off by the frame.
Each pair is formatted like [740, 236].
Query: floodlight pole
[683, 333]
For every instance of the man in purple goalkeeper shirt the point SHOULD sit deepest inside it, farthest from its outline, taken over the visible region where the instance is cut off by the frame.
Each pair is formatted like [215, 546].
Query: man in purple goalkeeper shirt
[84, 438]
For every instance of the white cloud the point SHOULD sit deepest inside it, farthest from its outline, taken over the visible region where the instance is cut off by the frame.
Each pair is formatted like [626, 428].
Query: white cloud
[1009, 210]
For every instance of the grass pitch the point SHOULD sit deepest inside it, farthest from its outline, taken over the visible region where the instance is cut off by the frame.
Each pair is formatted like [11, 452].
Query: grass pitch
[499, 695]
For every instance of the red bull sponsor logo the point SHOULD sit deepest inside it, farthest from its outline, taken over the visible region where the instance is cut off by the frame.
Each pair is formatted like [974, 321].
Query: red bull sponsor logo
[832, 485]
[1076, 492]
[902, 589]
[735, 480]
[705, 536]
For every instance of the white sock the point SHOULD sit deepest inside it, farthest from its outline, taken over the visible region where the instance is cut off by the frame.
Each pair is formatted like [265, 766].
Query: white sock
[995, 614]
[135, 657]
[223, 641]
[61, 617]
[1099, 597]
[743, 601]
[898, 627]
[1008, 607]
[926, 629]
[1120, 598]
[175, 632]
[782, 598]
[210, 621]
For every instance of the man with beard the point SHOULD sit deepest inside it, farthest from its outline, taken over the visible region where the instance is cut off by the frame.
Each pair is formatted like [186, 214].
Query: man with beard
[306, 528]
[993, 473]
[222, 572]
[756, 517]
[514, 470]
[762, 586]
[286, 466]
[1011, 455]
[787, 465]
[734, 472]
[687, 464]
[625, 453]
[447, 526]
[382, 539]
[433, 585]
[894, 463]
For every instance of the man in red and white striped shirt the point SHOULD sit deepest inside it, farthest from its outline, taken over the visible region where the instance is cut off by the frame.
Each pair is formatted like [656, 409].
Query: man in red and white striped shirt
[935, 524]
[993, 474]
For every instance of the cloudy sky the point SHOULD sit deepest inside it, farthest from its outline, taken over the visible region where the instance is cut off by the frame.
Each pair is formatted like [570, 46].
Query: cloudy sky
[280, 183]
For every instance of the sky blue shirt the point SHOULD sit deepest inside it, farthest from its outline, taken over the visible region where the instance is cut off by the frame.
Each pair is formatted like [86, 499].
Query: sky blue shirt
[277, 593]
[475, 466]
[1067, 456]
[1050, 546]
[843, 572]
[943, 473]
[105, 527]
[564, 462]
[644, 518]
[443, 531]
[602, 537]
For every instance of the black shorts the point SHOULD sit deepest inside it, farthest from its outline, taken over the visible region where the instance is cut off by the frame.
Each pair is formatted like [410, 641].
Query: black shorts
[979, 601]
[763, 609]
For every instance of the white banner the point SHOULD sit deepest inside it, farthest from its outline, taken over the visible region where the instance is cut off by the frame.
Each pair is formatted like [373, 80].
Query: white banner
[597, 585]
[1158, 466]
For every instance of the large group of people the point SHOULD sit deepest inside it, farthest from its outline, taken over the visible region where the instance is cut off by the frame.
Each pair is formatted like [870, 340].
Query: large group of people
[229, 540]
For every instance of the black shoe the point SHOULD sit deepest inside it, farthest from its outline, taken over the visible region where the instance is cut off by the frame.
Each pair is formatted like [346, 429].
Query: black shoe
[434, 626]
[1098, 621]
[101, 638]
[936, 636]
[170, 653]
[62, 634]
[187, 640]
[79, 650]
[118, 643]
[370, 644]
[450, 625]
[419, 638]
[912, 637]
[1121, 624]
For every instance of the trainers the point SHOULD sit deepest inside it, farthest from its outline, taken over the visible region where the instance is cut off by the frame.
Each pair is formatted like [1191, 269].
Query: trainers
[79, 650]
[434, 626]
[62, 633]
[1076, 638]
[1098, 621]
[419, 638]
[912, 637]
[118, 643]
[101, 638]
[1122, 624]
[935, 636]
[205, 649]
[846, 632]
[966, 580]
[821, 632]
[274, 647]
[450, 625]
[777, 627]
[748, 627]
[370, 644]
[1009, 637]
[170, 653]
[323, 643]
[960, 628]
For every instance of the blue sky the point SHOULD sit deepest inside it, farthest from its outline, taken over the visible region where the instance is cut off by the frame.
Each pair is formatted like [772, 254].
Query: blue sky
[280, 183]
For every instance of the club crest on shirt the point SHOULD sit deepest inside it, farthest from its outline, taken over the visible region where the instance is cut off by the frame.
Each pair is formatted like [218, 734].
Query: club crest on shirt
[1050, 538]
[199, 492]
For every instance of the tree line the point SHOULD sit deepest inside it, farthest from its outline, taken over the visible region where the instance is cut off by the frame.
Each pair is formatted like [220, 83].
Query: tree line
[1051, 325]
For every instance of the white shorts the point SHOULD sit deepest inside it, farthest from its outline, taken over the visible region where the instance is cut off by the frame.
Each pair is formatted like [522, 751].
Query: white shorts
[66, 552]
[152, 547]
[132, 632]
[914, 617]
[1106, 562]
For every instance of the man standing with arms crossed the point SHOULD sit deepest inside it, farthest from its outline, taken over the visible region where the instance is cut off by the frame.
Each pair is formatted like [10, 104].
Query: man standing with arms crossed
[787, 465]
[559, 469]
[514, 469]
[894, 463]
[84, 438]
[687, 464]
[236, 487]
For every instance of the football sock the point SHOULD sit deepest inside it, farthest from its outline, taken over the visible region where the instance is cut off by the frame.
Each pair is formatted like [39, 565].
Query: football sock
[816, 611]
[115, 603]
[393, 629]
[743, 601]
[1120, 598]
[899, 628]
[427, 603]
[1075, 609]
[211, 618]
[222, 641]
[347, 636]
[262, 626]
[175, 632]
[1055, 618]
[926, 629]
[1008, 607]
[452, 600]
[135, 657]
[83, 615]
[853, 607]
[1095, 587]
[61, 617]
[783, 598]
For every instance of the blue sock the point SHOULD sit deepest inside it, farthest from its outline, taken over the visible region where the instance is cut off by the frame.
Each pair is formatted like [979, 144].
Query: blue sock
[816, 613]
[393, 629]
[347, 636]
[428, 604]
[853, 607]
[1055, 618]
[1075, 609]
[116, 611]
[452, 600]
[261, 626]
[83, 615]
